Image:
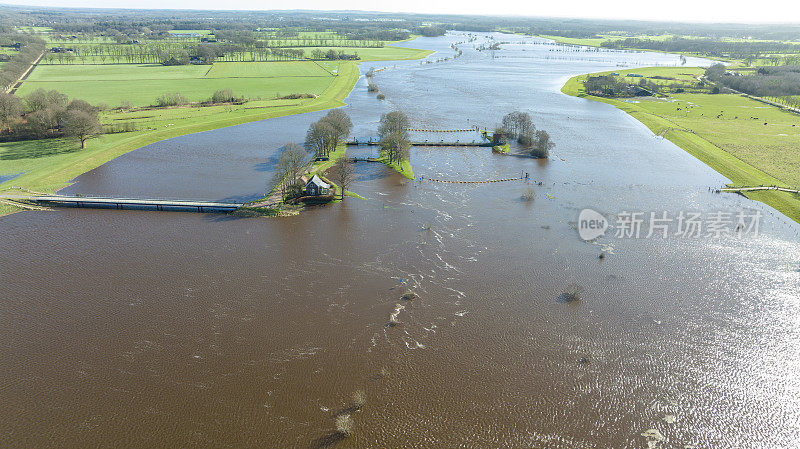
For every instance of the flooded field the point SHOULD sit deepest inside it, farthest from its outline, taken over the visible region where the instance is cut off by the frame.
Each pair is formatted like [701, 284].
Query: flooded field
[155, 329]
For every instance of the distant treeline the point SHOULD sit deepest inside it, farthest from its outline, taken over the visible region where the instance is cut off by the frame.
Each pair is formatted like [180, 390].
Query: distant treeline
[431, 31]
[589, 28]
[139, 25]
[781, 81]
[181, 55]
[710, 47]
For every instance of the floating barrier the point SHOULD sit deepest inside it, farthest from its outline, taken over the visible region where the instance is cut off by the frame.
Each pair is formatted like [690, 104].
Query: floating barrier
[470, 130]
[422, 178]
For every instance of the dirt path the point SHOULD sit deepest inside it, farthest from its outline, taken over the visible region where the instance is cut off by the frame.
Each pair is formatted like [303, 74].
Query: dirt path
[13, 89]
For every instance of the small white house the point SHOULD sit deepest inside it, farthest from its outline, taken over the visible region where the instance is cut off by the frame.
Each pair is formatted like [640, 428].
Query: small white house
[317, 186]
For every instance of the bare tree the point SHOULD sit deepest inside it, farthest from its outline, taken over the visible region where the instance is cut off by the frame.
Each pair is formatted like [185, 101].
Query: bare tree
[542, 145]
[342, 174]
[341, 124]
[291, 163]
[395, 122]
[320, 137]
[81, 124]
[395, 146]
[10, 110]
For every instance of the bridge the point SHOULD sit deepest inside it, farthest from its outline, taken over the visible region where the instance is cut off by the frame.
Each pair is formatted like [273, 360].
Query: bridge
[120, 203]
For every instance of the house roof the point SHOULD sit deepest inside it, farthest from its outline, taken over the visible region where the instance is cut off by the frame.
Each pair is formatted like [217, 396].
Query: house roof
[318, 182]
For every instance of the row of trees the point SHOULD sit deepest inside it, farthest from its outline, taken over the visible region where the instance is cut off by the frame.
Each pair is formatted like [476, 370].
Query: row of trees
[30, 48]
[332, 55]
[169, 54]
[518, 125]
[607, 86]
[171, 99]
[46, 114]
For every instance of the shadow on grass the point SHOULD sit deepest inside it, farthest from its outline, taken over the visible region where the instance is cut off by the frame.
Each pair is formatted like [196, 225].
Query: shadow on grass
[32, 149]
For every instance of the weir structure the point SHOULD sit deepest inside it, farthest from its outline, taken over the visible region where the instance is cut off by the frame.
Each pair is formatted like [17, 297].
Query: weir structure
[466, 137]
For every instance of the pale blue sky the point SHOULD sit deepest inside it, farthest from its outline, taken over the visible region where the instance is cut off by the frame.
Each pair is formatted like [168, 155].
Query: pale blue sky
[673, 10]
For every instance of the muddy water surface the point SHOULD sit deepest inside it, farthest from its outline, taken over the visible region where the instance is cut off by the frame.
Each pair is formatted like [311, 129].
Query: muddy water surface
[153, 329]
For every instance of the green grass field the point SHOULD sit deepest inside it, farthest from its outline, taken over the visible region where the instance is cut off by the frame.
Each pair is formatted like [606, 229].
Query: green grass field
[747, 141]
[141, 84]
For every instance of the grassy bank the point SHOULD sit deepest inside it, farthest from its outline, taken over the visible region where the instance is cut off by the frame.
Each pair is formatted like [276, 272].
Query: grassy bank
[505, 148]
[402, 167]
[744, 140]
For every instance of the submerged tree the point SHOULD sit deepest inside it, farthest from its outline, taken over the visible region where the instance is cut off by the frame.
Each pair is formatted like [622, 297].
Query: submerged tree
[542, 145]
[518, 125]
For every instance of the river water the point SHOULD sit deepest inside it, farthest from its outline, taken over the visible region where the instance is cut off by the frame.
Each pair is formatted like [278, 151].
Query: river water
[154, 329]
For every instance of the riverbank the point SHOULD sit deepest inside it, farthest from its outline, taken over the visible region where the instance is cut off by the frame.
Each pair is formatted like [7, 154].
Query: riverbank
[403, 167]
[504, 148]
[743, 140]
[48, 165]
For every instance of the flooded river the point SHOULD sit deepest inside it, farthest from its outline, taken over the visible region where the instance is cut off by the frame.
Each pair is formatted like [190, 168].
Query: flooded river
[154, 329]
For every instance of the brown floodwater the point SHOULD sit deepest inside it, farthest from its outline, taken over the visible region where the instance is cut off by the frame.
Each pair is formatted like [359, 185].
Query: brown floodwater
[178, 329]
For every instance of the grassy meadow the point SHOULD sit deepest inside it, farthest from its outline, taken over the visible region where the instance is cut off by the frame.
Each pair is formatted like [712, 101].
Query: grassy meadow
[745, 140]
[140, 84]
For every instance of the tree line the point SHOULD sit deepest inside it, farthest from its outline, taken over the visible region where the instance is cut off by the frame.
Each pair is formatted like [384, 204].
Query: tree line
[30, 47]
[781, 81]
[745, 49]
[45, 114]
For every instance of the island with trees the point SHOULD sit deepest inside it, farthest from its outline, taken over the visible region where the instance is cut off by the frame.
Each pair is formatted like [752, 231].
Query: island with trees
[319, 171]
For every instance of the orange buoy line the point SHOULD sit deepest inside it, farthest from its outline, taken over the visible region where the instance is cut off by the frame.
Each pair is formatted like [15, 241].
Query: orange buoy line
[440, 130]
[422, 178]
